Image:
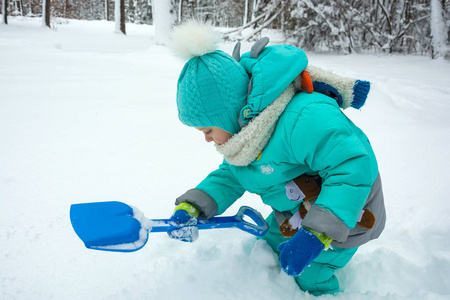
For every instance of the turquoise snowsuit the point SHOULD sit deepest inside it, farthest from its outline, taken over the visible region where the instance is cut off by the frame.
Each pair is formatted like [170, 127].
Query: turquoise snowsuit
[312, 136]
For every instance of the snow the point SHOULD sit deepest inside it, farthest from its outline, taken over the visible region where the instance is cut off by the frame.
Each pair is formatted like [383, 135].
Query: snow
[87, 115]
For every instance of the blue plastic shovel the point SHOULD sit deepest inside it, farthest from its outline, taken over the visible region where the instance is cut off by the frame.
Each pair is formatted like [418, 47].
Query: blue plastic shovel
[116, 226]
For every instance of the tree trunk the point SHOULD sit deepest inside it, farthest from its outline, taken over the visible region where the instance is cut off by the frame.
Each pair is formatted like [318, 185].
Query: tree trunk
[163, 20]
[107, 10]
[438, 34]
[119, 16]
[18, 7]
[255, 8]
[244, 21]
[5, 11]
[122, 16]
[65, 9]
[46, 13]
[180, 12]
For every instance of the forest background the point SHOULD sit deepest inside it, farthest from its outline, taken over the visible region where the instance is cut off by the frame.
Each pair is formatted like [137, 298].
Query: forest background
[344, 26]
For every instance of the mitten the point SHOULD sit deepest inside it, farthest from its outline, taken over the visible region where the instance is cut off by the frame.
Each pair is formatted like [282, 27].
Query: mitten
[185, 214]
[300, 251]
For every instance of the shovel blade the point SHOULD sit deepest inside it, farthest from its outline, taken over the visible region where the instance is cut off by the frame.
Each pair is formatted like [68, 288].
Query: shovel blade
[108, 226]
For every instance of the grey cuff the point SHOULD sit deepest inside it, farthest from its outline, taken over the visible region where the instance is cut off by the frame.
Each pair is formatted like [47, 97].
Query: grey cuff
[322, 220]
[208, 207]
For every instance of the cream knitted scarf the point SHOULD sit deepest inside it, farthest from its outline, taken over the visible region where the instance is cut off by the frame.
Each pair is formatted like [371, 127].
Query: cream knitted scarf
[245, 146]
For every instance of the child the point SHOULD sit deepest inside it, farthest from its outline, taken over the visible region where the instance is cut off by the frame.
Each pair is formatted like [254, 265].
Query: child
[283, 141]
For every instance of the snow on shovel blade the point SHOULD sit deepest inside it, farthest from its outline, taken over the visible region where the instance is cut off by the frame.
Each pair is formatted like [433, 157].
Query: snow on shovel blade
[110, 226]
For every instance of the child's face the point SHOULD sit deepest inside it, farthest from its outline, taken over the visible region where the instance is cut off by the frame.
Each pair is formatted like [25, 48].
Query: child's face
[215, 134]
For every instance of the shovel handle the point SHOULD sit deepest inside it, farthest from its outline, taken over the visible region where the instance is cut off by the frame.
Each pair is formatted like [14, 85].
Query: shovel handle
[257, 227]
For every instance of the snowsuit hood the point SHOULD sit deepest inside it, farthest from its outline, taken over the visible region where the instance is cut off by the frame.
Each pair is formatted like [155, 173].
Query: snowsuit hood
[271, 71]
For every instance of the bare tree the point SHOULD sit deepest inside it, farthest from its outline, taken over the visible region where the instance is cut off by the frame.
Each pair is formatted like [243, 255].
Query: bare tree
[119, 16]
[359, 25]
[270, 14]
[163, 20]
[21, 7]
[245, 13]
[255, 8]
[438, 33]
[46, 13]
[180, 11]
[5, 11]
[107, 10]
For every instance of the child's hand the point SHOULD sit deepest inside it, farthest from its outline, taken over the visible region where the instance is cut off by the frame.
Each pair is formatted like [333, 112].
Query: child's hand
[300, 251]
[185, 214]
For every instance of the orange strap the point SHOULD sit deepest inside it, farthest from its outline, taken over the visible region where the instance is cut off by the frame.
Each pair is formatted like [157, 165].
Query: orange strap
[307, 84]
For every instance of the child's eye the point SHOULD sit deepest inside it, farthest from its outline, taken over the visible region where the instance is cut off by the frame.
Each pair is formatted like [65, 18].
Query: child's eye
[208, 132]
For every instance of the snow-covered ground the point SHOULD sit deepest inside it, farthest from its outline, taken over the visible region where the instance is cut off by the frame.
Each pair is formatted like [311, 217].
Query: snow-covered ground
[88, 115]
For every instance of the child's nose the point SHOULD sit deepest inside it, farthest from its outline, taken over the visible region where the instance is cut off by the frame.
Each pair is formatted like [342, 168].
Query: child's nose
[208, 138]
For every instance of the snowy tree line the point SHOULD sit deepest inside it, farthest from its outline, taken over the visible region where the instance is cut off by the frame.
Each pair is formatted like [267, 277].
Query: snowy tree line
[223, 13]
[137, 10]
[363, 25]
[346, 26]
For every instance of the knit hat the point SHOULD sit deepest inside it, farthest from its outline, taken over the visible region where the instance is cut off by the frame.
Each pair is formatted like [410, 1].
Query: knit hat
[212, 87]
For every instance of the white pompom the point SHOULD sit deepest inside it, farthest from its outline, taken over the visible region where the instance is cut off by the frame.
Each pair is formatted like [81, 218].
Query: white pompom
[194, 38]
